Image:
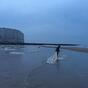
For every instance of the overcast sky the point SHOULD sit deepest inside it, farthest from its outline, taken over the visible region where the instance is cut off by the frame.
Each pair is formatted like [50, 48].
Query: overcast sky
[47, 20]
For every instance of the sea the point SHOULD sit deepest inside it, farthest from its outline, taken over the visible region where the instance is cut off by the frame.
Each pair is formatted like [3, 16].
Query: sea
[27, 67]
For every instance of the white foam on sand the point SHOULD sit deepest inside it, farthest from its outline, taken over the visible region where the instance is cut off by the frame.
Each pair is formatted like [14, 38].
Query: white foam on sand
[18, 53]
[7, 49]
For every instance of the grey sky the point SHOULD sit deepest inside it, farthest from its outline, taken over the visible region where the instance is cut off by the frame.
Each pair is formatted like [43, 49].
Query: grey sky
[47, 20]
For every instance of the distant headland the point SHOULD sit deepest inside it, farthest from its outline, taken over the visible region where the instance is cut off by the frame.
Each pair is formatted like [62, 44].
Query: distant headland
[11, 35]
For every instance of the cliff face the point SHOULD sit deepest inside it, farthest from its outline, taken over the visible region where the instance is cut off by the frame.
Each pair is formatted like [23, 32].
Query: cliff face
[11, 35]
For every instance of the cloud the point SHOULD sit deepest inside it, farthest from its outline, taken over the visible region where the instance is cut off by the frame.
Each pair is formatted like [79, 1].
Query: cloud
[54, 18]
[33, 6]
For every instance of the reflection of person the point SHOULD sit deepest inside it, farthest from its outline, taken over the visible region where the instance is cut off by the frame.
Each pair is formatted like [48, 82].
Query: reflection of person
[58, 50]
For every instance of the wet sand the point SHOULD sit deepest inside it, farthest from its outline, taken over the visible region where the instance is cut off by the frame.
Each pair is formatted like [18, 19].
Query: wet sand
[29, 70]
[84, 50]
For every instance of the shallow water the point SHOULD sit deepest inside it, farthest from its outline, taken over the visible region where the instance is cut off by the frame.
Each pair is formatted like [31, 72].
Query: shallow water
[27, 68]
